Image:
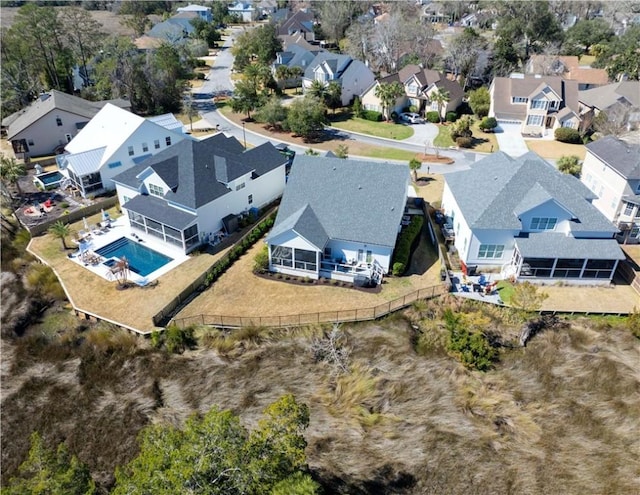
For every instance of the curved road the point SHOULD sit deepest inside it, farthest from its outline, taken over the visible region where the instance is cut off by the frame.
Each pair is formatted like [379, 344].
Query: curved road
[219, 80]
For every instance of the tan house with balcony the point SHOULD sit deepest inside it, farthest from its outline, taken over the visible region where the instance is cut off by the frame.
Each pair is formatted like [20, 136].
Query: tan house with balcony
[539, 104]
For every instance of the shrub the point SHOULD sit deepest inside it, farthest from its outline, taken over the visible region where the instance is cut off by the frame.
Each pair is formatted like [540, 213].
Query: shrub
[394, 115]
[488, 124]
[64, 204]
[357, 107]
[398, 269]
[432, 117]
[462, 127]
[413, 109]
[472, 348]
[177, 339]
[567, 135]
[405, 242]
[372, 115]
[464, 142]
[261, 260]
[451, 117]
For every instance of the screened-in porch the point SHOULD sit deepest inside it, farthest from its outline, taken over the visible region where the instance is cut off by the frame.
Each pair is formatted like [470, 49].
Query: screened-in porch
[295, 258]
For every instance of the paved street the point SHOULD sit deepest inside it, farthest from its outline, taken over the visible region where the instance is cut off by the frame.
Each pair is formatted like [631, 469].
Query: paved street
[219, 79]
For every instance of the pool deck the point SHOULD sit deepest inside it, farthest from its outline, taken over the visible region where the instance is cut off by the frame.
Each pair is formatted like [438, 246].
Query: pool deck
[120, 228]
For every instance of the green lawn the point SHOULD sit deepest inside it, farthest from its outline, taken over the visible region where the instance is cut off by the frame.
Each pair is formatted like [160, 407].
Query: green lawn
[388, 153]
[443, 139]
[378, 129]
[505, 289]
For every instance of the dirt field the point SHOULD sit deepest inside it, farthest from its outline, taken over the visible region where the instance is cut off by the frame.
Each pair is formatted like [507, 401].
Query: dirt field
[110, 21]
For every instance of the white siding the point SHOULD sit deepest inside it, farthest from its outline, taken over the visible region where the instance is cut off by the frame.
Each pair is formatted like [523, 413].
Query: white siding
[607, 184]
[349, 251]
[47, 134]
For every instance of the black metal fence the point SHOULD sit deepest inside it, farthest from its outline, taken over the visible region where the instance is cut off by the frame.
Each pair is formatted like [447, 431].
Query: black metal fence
[342, 316]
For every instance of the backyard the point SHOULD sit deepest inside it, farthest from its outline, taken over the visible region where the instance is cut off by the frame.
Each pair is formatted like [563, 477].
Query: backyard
[555, 149]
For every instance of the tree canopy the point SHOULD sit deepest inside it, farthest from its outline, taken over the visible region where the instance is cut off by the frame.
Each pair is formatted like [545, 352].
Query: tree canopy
[215, 454]
[260, 44]
[306, 116]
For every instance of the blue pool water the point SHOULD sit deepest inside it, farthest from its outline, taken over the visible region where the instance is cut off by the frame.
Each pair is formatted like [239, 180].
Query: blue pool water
[50, 178]
[142, 260]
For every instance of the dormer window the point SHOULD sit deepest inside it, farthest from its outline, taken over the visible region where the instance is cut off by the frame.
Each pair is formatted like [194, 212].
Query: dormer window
[543, 223]
[156, 190]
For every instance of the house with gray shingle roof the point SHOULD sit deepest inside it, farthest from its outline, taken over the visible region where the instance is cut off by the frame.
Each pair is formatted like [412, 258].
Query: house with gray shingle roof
[540, 104]
[51, 121]
[419, 85]
[525, 219]
[611, 169]
[353, 75]
[184, 194]
[619, 101]
[338, 218]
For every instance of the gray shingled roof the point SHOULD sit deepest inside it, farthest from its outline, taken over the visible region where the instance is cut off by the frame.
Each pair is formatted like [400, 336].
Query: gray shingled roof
[497, 188]
[606, 96]
[56, 100]
[333, 59]
[553, 245]
[156, 209]
[352, 200]
[189, 168]
[621, 156]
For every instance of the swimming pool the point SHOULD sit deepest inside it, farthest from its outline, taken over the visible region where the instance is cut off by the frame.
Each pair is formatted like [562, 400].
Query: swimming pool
[49, 180]
[142, 260]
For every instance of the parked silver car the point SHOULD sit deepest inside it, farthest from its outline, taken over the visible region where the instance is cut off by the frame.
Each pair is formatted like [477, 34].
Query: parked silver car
[412, 118]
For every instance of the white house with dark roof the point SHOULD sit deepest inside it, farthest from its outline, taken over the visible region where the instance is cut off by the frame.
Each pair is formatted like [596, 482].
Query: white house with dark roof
[338, 219]
[51, 121]
[186, 194]
[611, 169]
[525, 219]
[537, 103]
[113, 141]
[354, 77]
[203, 12]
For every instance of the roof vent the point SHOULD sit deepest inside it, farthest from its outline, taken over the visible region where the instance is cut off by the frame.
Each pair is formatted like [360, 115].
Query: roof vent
[334, 168]
[359, 186]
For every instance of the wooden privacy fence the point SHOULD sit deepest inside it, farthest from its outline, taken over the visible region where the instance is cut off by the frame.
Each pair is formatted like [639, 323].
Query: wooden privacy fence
[342, 316]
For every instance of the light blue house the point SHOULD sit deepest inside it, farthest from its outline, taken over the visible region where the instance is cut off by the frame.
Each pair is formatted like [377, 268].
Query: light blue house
[203, 12]
[244, 10]
[339, 219]
[525, 219]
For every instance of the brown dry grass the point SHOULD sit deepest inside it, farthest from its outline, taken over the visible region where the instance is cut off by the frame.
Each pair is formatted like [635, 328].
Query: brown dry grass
[241, 293]
[559, 416]
[556, 149]
[633, 251]
[133, 307]
[615, 299]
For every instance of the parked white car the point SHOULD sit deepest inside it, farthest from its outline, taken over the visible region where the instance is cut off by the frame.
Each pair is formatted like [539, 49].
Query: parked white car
[412, 118]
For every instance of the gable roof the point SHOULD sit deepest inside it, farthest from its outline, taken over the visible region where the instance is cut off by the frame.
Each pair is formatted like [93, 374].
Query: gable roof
[109, 129]
[425, 78]
[350, 200]
[197, 171]
[525, 86]
[621, 156]
[297, 39]
[56, 100]
[606, 96]
[333, 60]
[498, 188]
[298, 22]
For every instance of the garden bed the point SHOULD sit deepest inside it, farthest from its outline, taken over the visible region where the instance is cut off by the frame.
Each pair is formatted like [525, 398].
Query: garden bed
[292, 279]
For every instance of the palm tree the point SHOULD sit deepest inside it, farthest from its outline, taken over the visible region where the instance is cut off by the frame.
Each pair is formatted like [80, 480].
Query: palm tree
[441, 97]
[317, 89]
[282, 75]
[414, 166]
[61, 230]
[334, 95]
[295, 73]
[120, 272]
[11, 171]
[388, 93]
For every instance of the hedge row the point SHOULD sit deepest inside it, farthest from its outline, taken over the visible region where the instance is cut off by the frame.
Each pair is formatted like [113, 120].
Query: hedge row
[372, 115]
[239, 249]
[567, 135]
[404, 244]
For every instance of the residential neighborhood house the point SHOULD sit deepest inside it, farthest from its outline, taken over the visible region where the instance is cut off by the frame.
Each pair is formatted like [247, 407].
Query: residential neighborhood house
[300, 22]
[619, 101]
[112, 142]
[353, 75]
[419, 86]
[567, 67]
[190, 193]
[203, 12]
[244, 10]
[537, 104]
[50, 122]
[339, 219]
[611, 169]
[294, 56]
[523, 218]
[176, 31]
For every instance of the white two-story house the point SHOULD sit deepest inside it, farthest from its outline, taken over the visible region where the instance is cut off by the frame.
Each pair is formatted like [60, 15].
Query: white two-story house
[113, 141]
[525, 219]
[611, 169]
[537, 103]
[353, 75]
[189, 193]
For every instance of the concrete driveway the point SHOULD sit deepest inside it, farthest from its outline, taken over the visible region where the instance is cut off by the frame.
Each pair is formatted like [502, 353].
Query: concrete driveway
[510, 140]
[422, 133]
